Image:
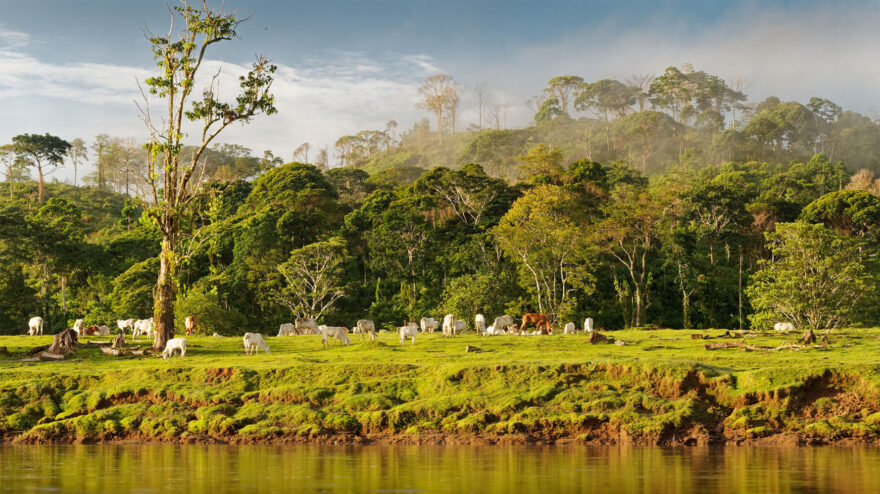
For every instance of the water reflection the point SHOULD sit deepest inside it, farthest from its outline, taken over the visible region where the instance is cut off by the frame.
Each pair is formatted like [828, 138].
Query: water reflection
[458, 469]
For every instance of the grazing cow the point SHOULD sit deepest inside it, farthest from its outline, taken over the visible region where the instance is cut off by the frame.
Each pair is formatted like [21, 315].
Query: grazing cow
[287, 329]
[190, 324]
[124, 324]
[89, 330]
[569, 328]
[78, 327]
[541, 322]
[410, 331]
[366, 326]
[304, 325]
[172, 345]
[254, 342]
[480, 323]
[588, 325]
[448, 325]
[338, 332]
[784, 326]
[35, 326]
[460, 326]
[429, 324]
[502, 323]
[491, 330]
[102, 331]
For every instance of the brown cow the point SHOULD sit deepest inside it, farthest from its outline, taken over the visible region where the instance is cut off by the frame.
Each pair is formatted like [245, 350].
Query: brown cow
[190, 324]
[90, 330]
[541, 322]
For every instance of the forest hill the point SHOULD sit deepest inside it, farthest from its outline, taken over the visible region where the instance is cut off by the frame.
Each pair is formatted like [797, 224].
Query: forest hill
[733, 245]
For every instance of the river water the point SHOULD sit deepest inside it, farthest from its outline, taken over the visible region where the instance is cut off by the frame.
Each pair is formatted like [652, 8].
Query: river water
[444, 469]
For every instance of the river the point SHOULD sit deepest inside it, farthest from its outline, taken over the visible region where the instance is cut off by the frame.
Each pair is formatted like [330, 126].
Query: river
[444, 469]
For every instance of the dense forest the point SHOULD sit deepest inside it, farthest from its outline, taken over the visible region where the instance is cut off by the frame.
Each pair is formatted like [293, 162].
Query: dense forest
[669, 201]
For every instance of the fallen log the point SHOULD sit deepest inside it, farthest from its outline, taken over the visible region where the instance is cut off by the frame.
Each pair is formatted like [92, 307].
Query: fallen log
[472, 349]
[698, 336]
[734, 344]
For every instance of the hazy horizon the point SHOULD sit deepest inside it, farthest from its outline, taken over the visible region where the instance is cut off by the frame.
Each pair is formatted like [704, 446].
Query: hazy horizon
[345, 67]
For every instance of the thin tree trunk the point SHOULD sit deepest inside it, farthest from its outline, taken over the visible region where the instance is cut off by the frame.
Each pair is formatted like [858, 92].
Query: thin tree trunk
[163, 308]
[740, 287]
[41, 188]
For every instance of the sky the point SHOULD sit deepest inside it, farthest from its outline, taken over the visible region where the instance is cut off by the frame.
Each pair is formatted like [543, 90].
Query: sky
[71, 68]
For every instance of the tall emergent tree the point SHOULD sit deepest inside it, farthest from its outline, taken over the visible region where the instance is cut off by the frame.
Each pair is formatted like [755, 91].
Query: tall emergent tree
[77, 153]
[41, 151]
[179, 55]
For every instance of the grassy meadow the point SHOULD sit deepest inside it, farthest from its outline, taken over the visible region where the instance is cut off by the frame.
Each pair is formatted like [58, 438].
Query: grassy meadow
[661, 387]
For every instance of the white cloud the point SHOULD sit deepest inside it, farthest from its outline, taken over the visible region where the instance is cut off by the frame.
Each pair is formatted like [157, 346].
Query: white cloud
[13, 39]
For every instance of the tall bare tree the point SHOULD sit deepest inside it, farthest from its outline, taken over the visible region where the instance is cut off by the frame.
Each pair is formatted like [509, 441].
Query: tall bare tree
[643, 83]
[440, 94]
[179, 55]
[77, 154]
[301, 153]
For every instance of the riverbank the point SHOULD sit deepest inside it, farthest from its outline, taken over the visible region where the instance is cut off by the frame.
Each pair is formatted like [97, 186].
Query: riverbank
[661, 387]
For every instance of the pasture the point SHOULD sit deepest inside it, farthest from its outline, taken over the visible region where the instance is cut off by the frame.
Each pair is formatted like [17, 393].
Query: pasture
[660, 387]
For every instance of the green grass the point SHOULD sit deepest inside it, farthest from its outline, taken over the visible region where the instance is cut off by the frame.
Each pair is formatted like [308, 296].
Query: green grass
[660, 385]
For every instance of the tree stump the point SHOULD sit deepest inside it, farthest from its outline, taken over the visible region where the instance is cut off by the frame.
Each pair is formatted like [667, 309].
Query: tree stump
[808, 337]
[118, 341]
[825, 340]
[596, 337]
[472, 349]
[63, 343]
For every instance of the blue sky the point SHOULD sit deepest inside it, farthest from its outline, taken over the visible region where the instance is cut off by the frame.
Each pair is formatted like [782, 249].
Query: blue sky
[70, 67]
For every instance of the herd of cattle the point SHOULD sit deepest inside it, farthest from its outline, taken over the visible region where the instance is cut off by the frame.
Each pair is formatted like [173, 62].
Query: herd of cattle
[253, 342]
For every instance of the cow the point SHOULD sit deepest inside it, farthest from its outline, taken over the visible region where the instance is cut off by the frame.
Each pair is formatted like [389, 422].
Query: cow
[429, 324]
[502, 323]
[172, 345]
[480, 323]
[491, 330]
[449, 325]
[89, 330]
[784, 326]
[254, 342]
[569, 328]
[304, 325]
[588, 325]
[124, 324]
[460, 326]
[366, 326]
[541, 322]
[287, 329]
[410, 331]
[190, 324]
[338, 332]
[35, 326]
[102, 331]
[78, 327]
[143, 326]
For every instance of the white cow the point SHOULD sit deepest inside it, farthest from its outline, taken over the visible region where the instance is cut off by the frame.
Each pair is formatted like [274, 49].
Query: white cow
[588, 325]
[338, 332]
[366, 326]
[448, 325]
[172, 345]
[480, 323]
[429, 324]
[124, 324]
[409, 331]
[35, 326]
[304, 325]
[491, 330]
[254, 342]
[143, 326]
[78, 326]
[102, 331]
[287, 329]
[502, 323]
[460, 326]
[569, 328]
[784, 326]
